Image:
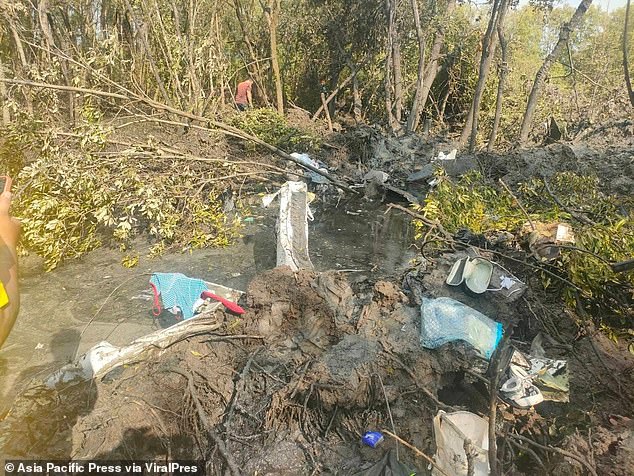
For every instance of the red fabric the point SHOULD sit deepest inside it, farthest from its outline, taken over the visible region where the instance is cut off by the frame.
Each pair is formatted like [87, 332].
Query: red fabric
[241, 94]
[156, 305]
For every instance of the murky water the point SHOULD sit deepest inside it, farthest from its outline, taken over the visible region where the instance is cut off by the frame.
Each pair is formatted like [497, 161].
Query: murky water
[69, 310]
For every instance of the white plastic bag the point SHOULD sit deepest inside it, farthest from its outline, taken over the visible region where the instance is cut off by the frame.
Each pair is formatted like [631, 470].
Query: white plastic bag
[314, 177]
[450, 432]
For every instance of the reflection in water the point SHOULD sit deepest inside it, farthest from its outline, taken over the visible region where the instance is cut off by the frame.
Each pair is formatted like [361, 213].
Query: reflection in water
[361, 235]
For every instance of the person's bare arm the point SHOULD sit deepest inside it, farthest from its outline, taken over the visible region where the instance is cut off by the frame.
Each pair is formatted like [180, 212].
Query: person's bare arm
[9, 234]
[250, 97]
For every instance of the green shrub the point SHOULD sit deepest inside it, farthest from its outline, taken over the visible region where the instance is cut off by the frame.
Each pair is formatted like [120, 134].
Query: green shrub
[272, 127]
[473, 203]
[74, 200]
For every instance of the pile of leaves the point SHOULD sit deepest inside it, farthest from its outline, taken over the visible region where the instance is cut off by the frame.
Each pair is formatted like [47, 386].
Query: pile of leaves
[603, 228]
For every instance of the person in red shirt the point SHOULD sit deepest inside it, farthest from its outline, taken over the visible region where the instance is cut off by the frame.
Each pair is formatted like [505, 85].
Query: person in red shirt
[9, 294]
[244, 98]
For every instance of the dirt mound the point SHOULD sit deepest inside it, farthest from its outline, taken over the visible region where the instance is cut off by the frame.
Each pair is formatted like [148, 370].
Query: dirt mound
[614, 167]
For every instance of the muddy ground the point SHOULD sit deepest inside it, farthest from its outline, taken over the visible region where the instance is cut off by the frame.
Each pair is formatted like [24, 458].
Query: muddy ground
[321, 357]
[96, 298]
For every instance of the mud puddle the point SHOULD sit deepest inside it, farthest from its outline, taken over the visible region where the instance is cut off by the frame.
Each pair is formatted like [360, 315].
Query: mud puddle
[67, 311]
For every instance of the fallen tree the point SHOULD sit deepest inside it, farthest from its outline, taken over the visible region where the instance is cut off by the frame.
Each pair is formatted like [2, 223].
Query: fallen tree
[217, 126]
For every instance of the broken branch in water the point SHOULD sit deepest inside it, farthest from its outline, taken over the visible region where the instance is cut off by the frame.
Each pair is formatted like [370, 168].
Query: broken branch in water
[430, 223]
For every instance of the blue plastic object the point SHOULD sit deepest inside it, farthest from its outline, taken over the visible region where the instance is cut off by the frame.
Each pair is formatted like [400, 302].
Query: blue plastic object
[446, 320]
[176, 289]
[372, 438]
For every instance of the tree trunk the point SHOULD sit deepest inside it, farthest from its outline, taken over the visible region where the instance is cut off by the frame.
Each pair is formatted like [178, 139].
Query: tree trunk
[166, 51]
[43, 14]
[389, 66]
[414, 115]
[488, 50]
[357, 100]
[323, 103]
[23, 61]
[343, 84]
[432, 68]
[6, 113]
[150, 57]
[195, 103]
[259, 75]
[626, 69]
[396, 68]
[272, 12]
[540, 77]
[504, 69]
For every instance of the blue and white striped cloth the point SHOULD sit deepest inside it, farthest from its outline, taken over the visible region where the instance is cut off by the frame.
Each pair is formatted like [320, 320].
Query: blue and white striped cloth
[176, 289]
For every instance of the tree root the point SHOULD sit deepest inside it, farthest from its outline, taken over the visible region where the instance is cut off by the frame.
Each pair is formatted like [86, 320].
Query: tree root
[220, 445]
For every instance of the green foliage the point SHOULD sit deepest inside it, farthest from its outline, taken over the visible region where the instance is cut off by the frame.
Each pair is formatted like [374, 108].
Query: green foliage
[474, 204]
[272, 127]
[71, 202]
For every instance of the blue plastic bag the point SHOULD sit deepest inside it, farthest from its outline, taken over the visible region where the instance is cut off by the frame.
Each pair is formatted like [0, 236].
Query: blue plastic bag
[446, 320]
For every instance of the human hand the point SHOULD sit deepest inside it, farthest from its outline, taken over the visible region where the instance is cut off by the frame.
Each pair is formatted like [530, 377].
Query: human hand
[9, 226]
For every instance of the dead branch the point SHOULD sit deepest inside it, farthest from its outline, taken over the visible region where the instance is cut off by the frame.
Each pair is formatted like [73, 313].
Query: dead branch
[506, 187]
[233, 467]
[389, 411]
[220, 126]
[435, 224]
[555, 450]
[215, 338]
[416, 451]
[494, 384]
[581, 218]
[340, 87]
[529, 451]
[237, 389]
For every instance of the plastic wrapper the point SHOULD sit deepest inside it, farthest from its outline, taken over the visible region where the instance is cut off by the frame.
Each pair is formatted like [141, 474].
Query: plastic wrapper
[446, 320]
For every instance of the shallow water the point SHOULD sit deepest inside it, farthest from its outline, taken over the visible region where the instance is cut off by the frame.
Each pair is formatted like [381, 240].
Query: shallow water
[67, 311]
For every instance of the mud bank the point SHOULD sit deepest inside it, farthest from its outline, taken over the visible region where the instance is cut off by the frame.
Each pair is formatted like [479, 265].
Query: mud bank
[67, 311]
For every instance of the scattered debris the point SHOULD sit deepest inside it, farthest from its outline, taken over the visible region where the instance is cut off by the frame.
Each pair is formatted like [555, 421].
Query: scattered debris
[313, 176]
[446, 320]
[377, 176]
[543, 239]
[452, 432]
[474, 272]
[372, 438]
[316, 359]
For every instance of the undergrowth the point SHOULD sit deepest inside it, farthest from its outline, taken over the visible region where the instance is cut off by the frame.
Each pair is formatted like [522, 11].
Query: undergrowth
[272, 127]
[607, 230]
[73, 199]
